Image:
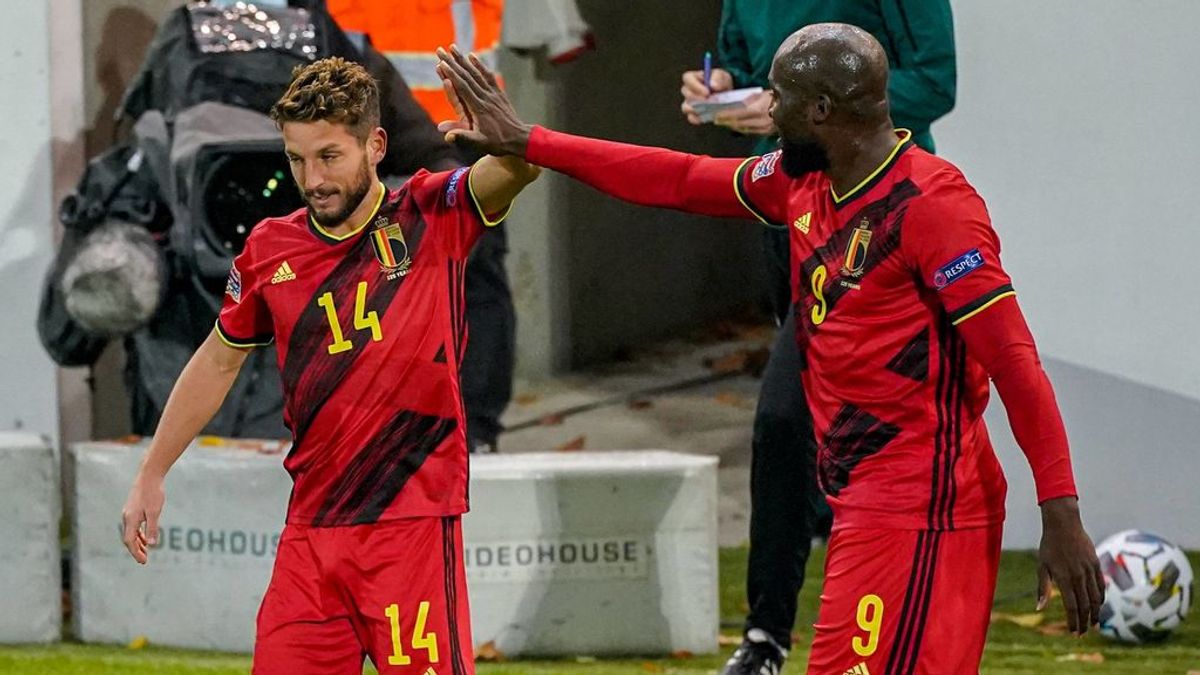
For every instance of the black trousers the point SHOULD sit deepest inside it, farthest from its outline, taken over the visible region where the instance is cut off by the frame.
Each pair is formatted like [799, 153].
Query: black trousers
[783, 488]
[487, 369]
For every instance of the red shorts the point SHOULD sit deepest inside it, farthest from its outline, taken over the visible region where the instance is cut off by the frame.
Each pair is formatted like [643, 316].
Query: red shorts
[897, 602]
[394, 592]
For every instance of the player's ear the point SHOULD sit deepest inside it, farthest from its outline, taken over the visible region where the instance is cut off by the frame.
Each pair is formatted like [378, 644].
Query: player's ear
[377, 145]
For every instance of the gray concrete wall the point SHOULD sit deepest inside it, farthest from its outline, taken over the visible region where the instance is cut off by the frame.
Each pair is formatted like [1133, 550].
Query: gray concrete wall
[28, 396]
[629, 275]
[1074, 122]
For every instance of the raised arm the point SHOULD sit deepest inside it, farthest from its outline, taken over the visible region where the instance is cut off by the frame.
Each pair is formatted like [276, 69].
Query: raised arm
[638, 174]
[195, 399]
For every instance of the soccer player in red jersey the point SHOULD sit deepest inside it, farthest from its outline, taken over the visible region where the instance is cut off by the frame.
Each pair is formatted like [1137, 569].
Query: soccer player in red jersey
[363, 294]
[903, 313]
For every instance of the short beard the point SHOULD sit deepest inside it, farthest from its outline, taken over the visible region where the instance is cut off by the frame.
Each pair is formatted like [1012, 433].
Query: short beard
[358, 192]
[802, 157]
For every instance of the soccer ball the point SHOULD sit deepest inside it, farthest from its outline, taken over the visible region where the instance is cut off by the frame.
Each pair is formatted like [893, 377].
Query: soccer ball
[1148, 586]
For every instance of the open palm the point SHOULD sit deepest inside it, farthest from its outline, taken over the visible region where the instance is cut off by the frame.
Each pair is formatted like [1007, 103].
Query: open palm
[486, 118]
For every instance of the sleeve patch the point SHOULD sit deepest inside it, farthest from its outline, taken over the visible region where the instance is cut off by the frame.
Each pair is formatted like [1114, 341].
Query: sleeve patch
[766, 166]
[452, 186]
[233, 286]
[957, 269]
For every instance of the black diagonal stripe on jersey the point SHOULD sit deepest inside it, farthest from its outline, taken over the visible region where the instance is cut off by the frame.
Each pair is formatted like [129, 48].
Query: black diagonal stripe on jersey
[918, 634]
[886, 216]
[908, 608]
[854, 435]
[912, 361]
[310, 374]
[379, 471]
[440, 357]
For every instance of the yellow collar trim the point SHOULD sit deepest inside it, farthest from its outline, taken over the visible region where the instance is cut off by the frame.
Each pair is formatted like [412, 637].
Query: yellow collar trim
[351, 233]
[905, 136]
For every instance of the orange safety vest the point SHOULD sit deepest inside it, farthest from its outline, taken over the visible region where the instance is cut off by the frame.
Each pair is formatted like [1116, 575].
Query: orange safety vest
[409, 32]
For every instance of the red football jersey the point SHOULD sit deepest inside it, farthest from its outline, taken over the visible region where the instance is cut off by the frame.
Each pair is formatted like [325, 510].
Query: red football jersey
[370, 329]
[880, 277]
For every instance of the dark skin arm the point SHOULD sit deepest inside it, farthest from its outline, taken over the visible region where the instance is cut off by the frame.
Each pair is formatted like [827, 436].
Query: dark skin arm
[1000, 340]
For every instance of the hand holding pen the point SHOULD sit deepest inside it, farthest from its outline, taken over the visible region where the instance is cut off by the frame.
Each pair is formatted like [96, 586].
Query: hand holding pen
[700, 84]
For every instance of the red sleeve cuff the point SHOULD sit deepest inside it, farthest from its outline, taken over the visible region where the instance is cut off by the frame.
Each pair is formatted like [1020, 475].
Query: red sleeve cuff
[536, 151]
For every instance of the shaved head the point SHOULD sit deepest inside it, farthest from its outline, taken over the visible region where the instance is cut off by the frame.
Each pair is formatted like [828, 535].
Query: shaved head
[829, 82]
[839, 61]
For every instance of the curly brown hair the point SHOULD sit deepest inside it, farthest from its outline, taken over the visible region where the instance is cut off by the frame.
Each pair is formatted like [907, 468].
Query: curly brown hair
[332, 89]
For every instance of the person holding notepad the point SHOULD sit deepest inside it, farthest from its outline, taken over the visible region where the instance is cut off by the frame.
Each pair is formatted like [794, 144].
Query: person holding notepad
[918, 38]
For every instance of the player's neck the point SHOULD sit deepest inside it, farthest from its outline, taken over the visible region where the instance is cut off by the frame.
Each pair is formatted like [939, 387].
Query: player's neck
[858, 158]
[361, 213]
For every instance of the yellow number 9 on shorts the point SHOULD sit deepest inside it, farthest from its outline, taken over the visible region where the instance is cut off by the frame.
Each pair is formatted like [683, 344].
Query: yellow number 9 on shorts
[870, 619]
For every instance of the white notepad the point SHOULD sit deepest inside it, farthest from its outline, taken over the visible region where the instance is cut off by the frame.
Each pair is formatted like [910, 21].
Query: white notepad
[708, 108]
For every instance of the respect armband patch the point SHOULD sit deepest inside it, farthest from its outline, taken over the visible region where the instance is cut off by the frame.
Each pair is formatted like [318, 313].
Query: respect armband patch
[957, 268]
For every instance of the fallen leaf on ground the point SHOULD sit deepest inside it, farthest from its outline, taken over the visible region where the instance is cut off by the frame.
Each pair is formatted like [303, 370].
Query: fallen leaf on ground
[1032, 620]
[750, 361]
[730, 363]
[488, 652]
[651, 667]
[1092, 657]
[1054, 629]
[682, 654]
[576, 443]
[732, 399]
[139, 642]
[640, 404]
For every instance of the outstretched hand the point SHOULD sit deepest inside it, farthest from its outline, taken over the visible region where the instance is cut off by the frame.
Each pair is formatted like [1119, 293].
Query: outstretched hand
[486, 120]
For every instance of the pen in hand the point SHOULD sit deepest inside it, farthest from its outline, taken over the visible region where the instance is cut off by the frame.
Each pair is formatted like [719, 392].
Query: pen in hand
[708, 71]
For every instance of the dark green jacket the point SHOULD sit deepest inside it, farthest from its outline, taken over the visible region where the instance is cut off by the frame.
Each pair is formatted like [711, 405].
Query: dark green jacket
[918, 36]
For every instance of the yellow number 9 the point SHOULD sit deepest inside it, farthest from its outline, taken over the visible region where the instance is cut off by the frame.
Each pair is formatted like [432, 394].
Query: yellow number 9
[818, 282]
[870, 618]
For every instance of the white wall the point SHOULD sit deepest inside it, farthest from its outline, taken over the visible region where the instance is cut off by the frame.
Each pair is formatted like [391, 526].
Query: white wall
[27, 376]
[1075, 122]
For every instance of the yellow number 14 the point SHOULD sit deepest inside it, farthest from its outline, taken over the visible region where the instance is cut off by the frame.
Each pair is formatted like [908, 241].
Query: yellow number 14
[420, 638]
[362, 319]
